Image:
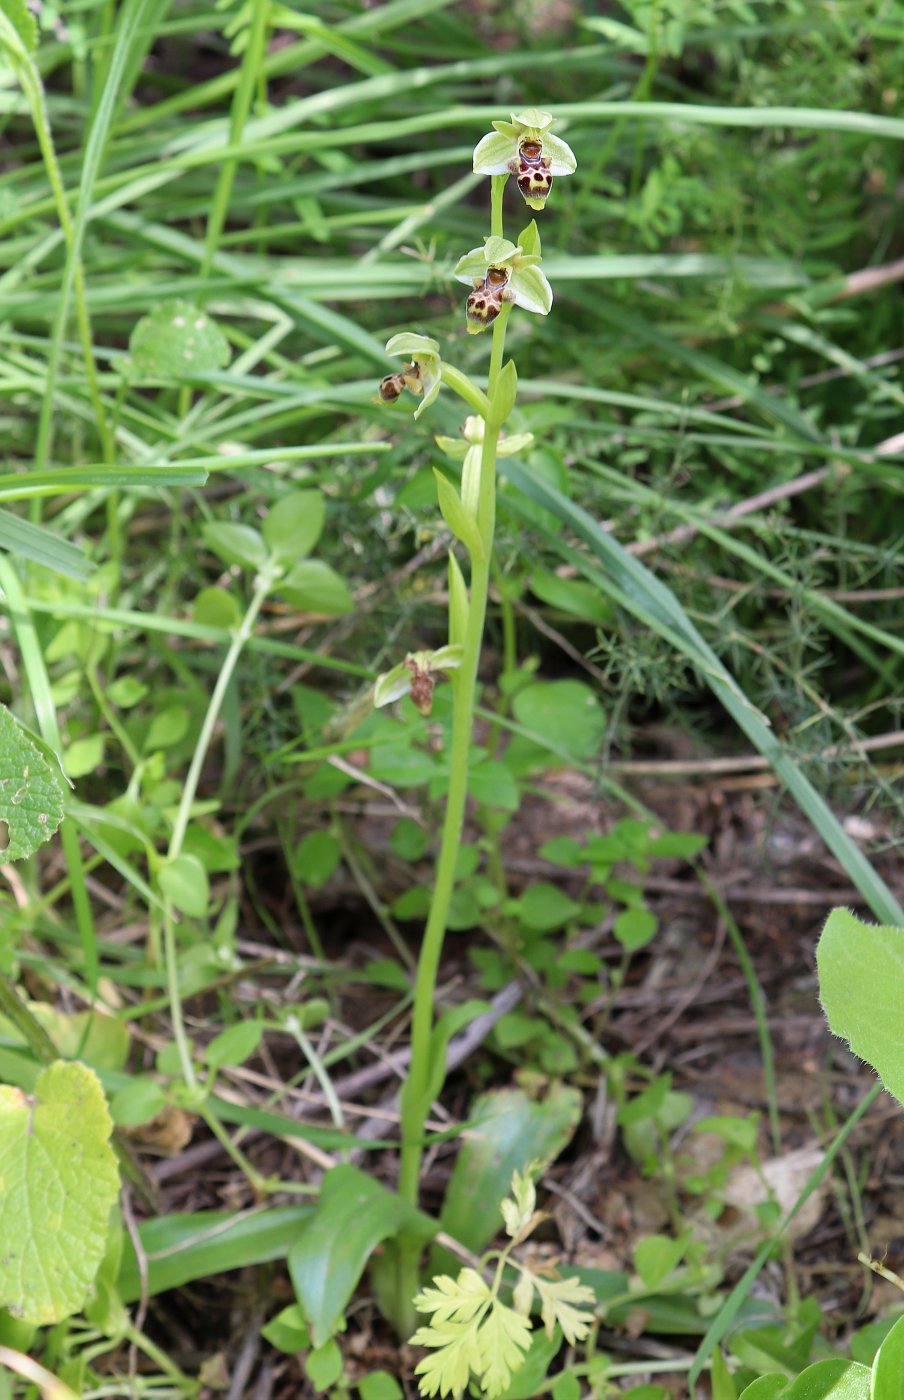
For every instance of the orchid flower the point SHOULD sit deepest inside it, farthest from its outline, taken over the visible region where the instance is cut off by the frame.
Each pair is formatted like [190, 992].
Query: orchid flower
[501, 271]
[422, 375]
[525, 148]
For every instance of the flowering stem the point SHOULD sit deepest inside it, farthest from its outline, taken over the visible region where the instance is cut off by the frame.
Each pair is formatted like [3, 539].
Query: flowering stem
[417, 1094]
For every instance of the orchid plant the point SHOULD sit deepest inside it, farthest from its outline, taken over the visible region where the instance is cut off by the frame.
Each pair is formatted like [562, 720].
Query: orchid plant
[501, 275]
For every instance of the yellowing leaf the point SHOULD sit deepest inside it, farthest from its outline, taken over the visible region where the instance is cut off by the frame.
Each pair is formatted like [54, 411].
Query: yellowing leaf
[504, 1342]
[557, 1296]
[59, 1181]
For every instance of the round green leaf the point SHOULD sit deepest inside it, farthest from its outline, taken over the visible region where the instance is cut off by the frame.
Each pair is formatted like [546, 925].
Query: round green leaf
[235, 544]
[293, 526]
[634, 928]
[567, 711]
[59, 1183]
[314, 587]
[184, 881]
[177, 340]
[888, 1366]
[214, 607]
[235, 1045]
[137, 1102]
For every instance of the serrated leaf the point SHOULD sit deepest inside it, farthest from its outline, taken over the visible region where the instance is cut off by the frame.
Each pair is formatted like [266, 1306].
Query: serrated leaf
[59, 1182]
[31, 796]
[176, 341]
[861, 986]
[505, 1339]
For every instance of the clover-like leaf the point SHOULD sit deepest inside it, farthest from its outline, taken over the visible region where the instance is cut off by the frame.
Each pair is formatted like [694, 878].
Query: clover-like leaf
[176, 341]
[31, 795]
[59, 1183]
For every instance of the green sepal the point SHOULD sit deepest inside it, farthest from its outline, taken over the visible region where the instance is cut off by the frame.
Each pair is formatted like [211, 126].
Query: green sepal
[529, 240]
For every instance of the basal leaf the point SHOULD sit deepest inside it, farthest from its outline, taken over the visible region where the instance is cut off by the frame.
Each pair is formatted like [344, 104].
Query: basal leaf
[31, 796]
[353, 1215]
[507, 1131]
[59, 1183]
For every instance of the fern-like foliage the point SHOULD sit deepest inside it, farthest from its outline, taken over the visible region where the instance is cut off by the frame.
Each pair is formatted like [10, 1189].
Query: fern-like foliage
[473, 1335]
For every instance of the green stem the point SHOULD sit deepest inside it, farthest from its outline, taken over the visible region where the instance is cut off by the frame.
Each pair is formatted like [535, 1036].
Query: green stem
[262, 587]
[416, 1095]
[466, 389]
[28, 1026]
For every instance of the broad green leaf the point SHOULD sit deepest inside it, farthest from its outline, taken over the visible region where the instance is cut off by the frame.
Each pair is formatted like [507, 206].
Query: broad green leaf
[294, 525]
[544, 907]
[861, 986]
[323, 1365]
[634, 928]
[169, 726]
[832, 1379]
[126, 691]
[888, 1366]
[176, 341]
[571, 595]
[184, 881]
[656, 1256]
[31, 797]
[181, 1248]
[379, 1385]
[137, 1102]
[84, 755]
[214, 607]
[59, 1184]
[316, 857]
[288, 1331]
[765, 1388]
[567, 711]
[354, 1213]
[507, 1131]
[314, 587]
[235, 1045]
[462, 524]
[235, 544]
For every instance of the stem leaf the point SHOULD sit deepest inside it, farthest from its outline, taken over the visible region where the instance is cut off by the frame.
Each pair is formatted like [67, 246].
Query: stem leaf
[463, 526]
